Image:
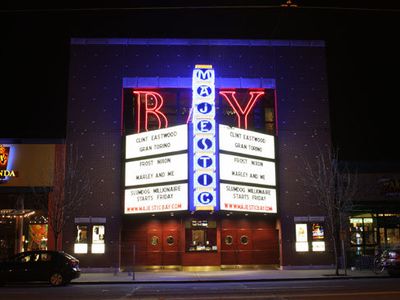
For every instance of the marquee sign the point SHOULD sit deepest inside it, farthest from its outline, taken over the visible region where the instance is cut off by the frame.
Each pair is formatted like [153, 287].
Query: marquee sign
[204, 158]
[248, 174]
[236, 197]
[201, 166]
[246, 142]
[163, 198]
[156, 170]
[156, 142]
[247, 170]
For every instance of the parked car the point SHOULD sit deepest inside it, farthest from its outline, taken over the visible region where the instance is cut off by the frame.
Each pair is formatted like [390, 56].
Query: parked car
[56, 267]
[392, 260]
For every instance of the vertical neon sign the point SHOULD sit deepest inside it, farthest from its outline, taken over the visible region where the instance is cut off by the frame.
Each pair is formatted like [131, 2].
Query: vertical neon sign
[204, 158]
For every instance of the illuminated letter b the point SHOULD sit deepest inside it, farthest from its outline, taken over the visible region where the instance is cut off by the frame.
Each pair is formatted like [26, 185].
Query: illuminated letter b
[149, 103]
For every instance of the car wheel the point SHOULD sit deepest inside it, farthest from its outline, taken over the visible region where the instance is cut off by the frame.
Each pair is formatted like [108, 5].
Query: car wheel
[56, 279]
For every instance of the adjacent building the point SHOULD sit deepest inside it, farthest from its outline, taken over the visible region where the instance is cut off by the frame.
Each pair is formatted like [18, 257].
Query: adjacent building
[30, 173]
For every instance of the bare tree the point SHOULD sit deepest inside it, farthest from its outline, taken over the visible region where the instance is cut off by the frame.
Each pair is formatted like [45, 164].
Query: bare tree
[334, 187]
[71, 187]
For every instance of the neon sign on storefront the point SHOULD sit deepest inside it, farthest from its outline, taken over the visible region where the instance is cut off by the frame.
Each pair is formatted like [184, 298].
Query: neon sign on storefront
[150, 105]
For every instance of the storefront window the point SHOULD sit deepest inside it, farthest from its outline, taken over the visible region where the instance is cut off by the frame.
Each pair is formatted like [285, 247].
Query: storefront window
[90, 235]
[363, 234]
[392, 236]
[310, 234]
[201, 235]
[37, 238]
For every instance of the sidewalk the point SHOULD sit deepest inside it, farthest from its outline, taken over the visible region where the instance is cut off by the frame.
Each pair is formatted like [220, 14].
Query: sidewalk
[163, 276]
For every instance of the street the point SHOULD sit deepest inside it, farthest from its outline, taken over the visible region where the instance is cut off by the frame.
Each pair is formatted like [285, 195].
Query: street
[379, 288]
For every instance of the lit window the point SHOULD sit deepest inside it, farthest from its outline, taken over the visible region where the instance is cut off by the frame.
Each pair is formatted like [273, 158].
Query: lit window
[201, 235]
[80, 248]
[302, 247]
[318, 246]
[301, 238]
[81, 245]
[318, 236]
[98, 245]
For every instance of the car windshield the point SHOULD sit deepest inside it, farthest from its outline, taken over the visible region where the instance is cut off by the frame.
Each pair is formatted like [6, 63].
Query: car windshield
[69, 256]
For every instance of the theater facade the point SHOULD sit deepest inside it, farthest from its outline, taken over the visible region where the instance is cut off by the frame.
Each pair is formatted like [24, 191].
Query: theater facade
[194, 151]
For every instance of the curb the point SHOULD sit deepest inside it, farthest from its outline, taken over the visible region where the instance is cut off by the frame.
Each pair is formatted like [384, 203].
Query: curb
[185, 281]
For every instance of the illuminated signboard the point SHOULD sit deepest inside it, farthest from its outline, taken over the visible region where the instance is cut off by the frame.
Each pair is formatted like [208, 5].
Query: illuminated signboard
[226, 168]
[236, 197]
[156, 170]
[20, 164]
[247, 170]
[301, 238]
[156, 199]
[318, 246]
[203, 158]
[156, 142]
[246, 142]
[4, 163]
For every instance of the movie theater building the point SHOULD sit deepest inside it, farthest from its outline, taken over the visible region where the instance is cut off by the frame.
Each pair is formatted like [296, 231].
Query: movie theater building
[194, 151]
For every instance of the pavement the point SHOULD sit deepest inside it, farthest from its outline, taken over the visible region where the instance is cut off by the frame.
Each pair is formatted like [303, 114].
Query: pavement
[231, 275]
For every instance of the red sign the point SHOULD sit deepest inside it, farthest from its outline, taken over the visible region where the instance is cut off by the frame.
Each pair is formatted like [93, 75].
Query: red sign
[150, 109]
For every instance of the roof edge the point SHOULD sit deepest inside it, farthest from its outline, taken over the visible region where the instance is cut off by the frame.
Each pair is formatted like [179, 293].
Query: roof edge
[198, 42]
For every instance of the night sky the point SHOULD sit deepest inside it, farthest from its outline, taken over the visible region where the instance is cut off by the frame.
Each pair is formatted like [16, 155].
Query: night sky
[363, 60]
